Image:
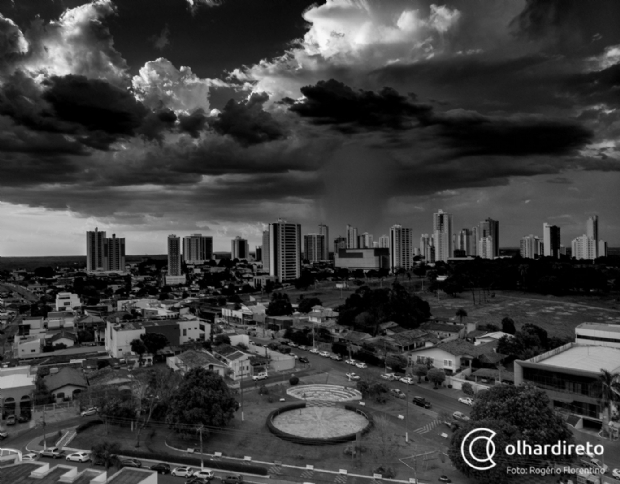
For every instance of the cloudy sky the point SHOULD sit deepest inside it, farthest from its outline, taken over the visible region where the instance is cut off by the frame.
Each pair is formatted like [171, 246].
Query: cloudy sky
[151, 117]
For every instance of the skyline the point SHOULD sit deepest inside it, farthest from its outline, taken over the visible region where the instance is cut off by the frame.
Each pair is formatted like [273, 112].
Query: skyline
[147, 119]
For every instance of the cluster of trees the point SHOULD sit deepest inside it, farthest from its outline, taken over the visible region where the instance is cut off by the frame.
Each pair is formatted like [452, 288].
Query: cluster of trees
[149, 343]
[367, 308]
[376, 390]
[529, 341]
[280, 305]
[514, 413]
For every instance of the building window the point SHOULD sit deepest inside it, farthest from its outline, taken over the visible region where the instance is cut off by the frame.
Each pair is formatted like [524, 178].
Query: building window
[447, 362]
[184, 332]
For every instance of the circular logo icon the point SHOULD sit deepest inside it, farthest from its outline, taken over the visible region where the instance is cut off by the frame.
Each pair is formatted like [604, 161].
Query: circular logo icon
[478, 461]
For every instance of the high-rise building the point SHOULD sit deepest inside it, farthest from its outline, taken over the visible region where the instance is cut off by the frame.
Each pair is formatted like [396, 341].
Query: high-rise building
[384, 242]
[285, 250]
[352, 242]
[473, 241]
[314, 247]
[115, 254]
[324, 230]
[258, 253]
[551, 240]
[266, 258]
[602, 248]
[584, 247]
[365, 241]
[174, 255]
[592, 227]
[197, 249]
[401, 247]
[490, 228]
[95, 251]
[463, 241]
[104, 254]
[340, 243]
[239, 248]
[486, 247]
[442, 235]
[531, 247]
[425, 241]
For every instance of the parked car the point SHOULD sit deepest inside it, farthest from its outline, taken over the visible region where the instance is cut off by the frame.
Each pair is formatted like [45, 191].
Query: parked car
[131, 463]
[303, 359]
[232, 479]
[79, 457]
[303, 347]
[352, 376]
[388, 376]
[161, 468]
[30, 457]
[336, 357]
[292, 345]
[196, 480]
[23, 418]
[261, 376]
[616, 473]
[398, 393]
[444, 479]
[284, 342]
[206, 474]
[466, 401]
[421, 402]
[407, 380]
[53, 452]
[460, 416]
[361, 365]
[603, 468]
[314, 350]
[294, 356]
[324, 354]
[182, 471]
[11, 420]
[89, 411]
[3, 434]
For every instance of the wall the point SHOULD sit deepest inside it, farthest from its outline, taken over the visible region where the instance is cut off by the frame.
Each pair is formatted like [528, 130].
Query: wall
[438, 356]
[67, 391]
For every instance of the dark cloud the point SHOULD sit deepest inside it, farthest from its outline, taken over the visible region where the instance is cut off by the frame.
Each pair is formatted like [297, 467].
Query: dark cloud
[334, 103]
[193, 123]
[601, 86]
[247, 122]
[94, 104]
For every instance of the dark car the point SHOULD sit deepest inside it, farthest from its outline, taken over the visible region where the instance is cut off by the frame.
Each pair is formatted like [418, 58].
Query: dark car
[24, 417]
[131, 463]
[421, 402]
[303, 359]
[161, 468]
[232, 480]
[196, 480]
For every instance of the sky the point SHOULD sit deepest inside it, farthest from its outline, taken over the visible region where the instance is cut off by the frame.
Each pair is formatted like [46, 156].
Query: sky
[153, 117]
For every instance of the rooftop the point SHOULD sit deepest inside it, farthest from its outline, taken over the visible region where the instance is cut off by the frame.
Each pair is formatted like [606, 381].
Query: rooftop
[129, 476]
[14, 379]
[586, 358]
[611, 328]
[20, 474]
[447, 328]
[193, 358]
[461, 347]
[66, 376]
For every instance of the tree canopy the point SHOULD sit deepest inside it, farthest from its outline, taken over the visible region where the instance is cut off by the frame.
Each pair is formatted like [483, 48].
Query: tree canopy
[306, 304]
[279, 305]
[202, 398]
[154, 342]
[528, 342]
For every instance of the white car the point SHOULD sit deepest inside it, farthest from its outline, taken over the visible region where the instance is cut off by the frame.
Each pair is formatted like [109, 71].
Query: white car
[350, 362]
[31, 457]
[352, 376]
[182, 472]
[261, 376]
[616, 473]
[324, 354]
[336, 357]
[303, 347]
[388, 376]
[597, 463]
[466, 401]
[205, 474]
[294, 356]
[292, 345]
[361, 365]
[407, 380]
[89, 411]
[460, 416]
[314, 350]
[79, 457]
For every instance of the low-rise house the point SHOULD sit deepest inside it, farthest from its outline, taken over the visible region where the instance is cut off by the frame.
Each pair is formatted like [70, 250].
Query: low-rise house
[60, 319]
[490, 337]
[451, 356]
[59, 339]
[191, 359]
[67, 300]
[235, 359]
[17, 384]
[26, 346]
[320, 315]
[444, 331]
[66, 384]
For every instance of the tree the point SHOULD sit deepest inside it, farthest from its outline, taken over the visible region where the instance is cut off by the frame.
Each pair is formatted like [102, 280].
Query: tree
[461, 313]
[306, 279]
[44, 272]
[305, 305]
[610, 390]
[138, 347]
[106, 452]
[222, 339]
[279, 305]
[527, 408]
[468, 389]
[508, 325]
[202, 398]
[419, 371]
[154, 342]
[384, 441]
[437, 376]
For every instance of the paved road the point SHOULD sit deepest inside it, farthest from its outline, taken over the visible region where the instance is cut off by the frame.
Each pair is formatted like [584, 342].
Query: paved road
[21, 290]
